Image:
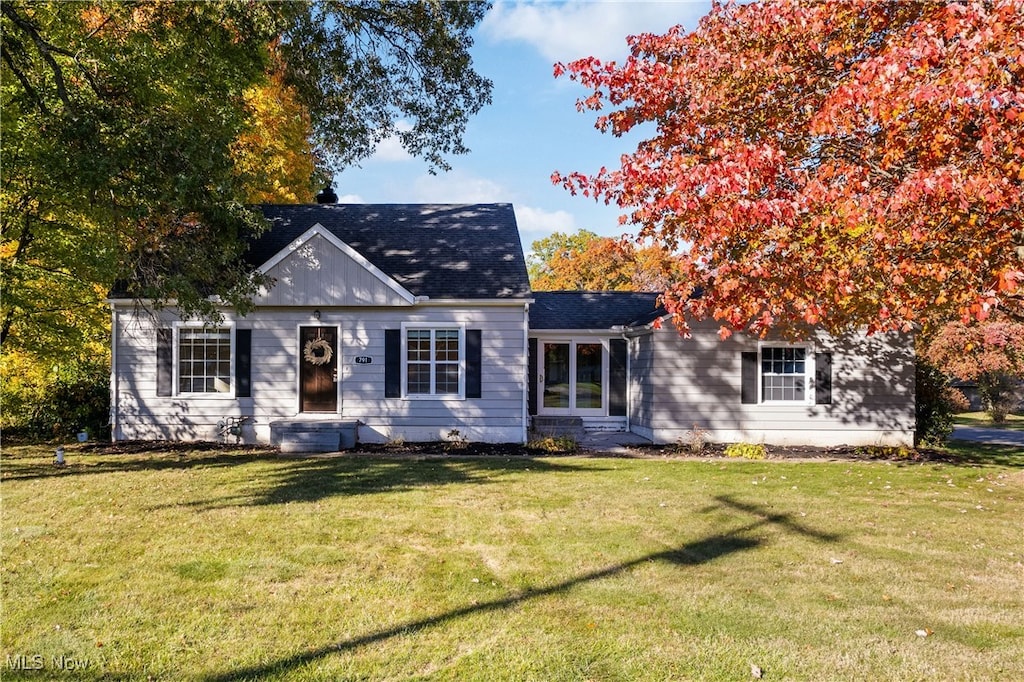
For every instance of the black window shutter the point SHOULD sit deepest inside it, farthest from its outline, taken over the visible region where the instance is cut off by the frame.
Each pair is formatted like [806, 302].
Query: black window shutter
[164, 361]
[392, 363]
[617, 378]
[243, 363]
[823, 378]
[474, 374]
[531, 379]
[748, 380]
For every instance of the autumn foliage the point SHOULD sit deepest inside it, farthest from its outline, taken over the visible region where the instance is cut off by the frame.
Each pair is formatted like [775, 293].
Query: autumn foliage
[584, 261]
[843, 164]
[991, 354]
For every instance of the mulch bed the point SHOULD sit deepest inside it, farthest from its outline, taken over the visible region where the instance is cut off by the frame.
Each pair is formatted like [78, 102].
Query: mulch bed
[443, 449]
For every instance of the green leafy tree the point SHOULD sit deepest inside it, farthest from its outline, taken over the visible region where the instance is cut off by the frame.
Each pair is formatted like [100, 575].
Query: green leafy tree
[543, 252]
[126, 129]
[135, 136]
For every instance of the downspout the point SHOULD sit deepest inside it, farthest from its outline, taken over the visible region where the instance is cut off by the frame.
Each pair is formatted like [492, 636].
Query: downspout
[526, 372]
[114, 386]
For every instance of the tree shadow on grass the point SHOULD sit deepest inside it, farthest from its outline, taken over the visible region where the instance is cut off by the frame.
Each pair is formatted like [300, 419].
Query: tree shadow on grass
[318, 478]
[692, 553]
[103, 458]
[983, 454]
[312, 480]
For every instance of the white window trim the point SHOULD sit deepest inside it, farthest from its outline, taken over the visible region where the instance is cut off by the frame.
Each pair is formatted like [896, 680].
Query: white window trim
[176, 361]
[433, 326]
[573, 342]
[809, 372]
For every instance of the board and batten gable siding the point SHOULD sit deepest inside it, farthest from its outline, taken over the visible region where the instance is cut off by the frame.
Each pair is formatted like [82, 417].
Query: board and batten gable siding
[496, 416]
[681, 383]
[319, 273]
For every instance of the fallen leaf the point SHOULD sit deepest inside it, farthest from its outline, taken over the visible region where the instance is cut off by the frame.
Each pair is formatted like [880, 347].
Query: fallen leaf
[755, 671]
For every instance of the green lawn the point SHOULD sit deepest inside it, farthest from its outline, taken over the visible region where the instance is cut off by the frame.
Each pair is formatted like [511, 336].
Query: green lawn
[1014, 422]
[241, 565]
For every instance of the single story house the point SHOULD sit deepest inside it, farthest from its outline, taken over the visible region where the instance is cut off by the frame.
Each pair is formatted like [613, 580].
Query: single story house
[417, 323]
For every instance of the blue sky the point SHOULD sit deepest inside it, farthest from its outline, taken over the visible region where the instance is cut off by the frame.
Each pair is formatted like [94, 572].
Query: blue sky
[532, 128]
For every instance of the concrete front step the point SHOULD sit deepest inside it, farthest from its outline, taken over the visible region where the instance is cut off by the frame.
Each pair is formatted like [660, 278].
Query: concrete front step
[558, 426]
[296, 435]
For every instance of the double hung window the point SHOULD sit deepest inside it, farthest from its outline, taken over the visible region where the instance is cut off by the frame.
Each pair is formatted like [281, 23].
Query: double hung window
[434, 361]
[783, 374]
[204, 360]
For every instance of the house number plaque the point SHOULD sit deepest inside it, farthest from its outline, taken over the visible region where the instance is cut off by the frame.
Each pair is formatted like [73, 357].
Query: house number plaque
[364, 360]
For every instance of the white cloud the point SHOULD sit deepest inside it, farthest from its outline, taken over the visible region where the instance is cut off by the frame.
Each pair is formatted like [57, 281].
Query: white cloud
[351, 199]
[458, 187]
[564, 31]
[538, 220]
[390, 149]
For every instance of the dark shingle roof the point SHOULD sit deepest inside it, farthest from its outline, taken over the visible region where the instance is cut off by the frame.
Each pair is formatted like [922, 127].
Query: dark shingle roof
[467, 251]
[593, 309]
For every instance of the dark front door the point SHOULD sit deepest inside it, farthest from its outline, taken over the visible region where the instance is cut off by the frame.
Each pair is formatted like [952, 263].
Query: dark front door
[318, 369]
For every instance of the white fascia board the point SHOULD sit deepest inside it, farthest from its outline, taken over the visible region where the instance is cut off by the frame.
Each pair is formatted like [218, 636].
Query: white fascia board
[319, 229]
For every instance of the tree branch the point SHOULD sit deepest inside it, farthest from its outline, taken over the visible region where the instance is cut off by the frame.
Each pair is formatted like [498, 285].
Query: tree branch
[29, 90]
[45, 49]
[23, 241]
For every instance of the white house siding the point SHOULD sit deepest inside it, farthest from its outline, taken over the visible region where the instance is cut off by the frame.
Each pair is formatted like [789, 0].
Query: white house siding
[678, 384]
[497, 416]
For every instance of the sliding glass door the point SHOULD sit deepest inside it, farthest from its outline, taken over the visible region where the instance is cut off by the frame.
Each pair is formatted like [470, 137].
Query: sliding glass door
[572, 378]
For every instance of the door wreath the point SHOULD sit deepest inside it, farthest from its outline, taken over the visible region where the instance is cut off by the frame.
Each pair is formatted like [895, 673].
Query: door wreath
[317, 352]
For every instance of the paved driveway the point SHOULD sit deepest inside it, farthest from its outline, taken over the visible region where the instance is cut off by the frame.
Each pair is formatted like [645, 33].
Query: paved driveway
[980, 434]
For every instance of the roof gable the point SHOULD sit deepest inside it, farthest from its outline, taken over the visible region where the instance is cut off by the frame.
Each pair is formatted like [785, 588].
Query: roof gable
[439, 251]
[317, 268]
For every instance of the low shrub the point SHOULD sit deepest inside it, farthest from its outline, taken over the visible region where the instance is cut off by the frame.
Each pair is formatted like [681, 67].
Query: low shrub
[889, 452]
[937, 402]
[455, 440]
[553, 444]
[58, 403]
[693, 441]
[746, 450]
[1001, 393]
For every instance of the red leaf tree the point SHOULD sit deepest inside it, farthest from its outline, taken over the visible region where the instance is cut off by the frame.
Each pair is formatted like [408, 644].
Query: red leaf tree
[992, 354]
[843, 164]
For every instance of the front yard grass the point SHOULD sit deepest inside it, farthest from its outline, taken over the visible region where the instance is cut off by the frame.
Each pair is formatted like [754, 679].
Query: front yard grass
[236, 565]
[1014, 422]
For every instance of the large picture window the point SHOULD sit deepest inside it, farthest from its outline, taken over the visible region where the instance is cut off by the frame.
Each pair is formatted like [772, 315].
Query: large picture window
[204, 360]
[434, 359]
[783, 374]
